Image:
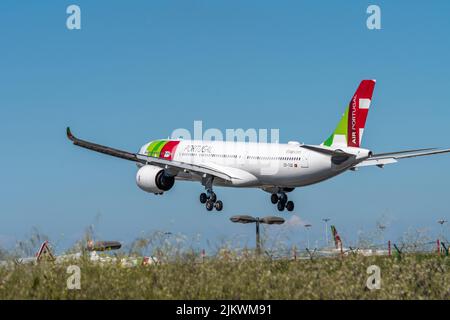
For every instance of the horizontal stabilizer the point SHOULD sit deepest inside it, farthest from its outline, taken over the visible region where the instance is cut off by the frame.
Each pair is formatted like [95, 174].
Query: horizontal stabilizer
[382, 159]
[410, 153]
[375, 162]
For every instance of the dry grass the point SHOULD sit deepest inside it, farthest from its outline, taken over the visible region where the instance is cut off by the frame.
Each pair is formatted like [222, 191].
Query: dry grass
[412, 277]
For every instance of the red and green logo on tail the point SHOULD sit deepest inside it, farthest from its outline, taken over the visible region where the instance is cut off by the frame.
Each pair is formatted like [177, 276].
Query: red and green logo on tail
[350, 129]
[337, 239]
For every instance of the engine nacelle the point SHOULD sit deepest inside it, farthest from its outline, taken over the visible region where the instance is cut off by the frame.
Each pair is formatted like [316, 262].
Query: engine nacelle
[153, 179]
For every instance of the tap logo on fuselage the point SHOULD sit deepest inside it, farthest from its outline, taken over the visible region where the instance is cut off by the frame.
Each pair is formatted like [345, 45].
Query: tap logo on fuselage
[198, 148]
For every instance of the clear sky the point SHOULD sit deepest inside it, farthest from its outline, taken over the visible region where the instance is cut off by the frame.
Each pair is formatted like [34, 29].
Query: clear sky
[139, 69]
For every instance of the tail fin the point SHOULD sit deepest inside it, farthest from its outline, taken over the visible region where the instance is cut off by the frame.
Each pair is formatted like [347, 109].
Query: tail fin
[349, 131]
[337, 239]
[45, 253]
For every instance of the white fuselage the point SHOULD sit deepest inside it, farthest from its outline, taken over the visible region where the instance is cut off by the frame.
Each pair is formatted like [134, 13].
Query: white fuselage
[264, 165]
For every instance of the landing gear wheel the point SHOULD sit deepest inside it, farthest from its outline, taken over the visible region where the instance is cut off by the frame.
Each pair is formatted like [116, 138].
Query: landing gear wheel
[209, 205]
[290, 206]
[213, 197]
[218, 205]
[280, 206]
[274, 198]
[283, 198]
[203, 198]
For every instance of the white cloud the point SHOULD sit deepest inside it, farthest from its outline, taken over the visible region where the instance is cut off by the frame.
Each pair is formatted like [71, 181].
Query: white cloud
[295, 221]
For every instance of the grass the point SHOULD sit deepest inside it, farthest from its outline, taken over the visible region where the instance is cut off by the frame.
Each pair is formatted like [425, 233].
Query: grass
[415, 276]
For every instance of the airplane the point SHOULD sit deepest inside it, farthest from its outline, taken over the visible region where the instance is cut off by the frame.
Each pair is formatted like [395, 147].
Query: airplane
[340, 249]
[45, 253]
[273, 167]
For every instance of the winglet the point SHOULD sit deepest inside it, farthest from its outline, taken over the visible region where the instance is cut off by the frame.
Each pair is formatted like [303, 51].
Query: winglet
[70, 135]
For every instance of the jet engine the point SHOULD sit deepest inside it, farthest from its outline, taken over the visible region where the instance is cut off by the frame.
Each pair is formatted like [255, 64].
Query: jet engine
[154, 179]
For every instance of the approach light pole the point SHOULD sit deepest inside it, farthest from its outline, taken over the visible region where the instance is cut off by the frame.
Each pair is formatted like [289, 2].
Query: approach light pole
[442, 222]
[381, 227]
[326, 230]
[257, 220]
[307, 226]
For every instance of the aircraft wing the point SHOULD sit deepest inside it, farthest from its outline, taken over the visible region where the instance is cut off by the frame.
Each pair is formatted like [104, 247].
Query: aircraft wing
[145, 159]
[392, 157]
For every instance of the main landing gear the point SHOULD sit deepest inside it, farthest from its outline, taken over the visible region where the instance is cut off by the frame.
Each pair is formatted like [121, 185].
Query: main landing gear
[282, 202]
[210, 201]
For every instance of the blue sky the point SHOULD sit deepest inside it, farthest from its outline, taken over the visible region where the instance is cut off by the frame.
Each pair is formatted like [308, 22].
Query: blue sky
[138, 70]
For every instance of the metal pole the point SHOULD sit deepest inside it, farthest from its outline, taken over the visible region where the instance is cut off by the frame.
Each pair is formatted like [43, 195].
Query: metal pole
[389, 248]
[326, 230]
[307, 236]
[441, 222]
[307, 226]
[258, 244]
[445, 248]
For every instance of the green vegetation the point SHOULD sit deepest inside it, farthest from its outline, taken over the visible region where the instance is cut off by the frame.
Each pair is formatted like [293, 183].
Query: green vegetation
[414, 276]
[182, 272]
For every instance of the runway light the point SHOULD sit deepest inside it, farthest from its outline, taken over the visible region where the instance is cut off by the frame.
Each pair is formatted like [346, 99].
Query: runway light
[103, 245]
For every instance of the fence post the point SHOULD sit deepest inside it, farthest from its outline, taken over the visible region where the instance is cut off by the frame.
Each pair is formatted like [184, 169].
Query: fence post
[438, 244]
[445, 248]
[203, 255]
[389, 248]
[399, 252]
